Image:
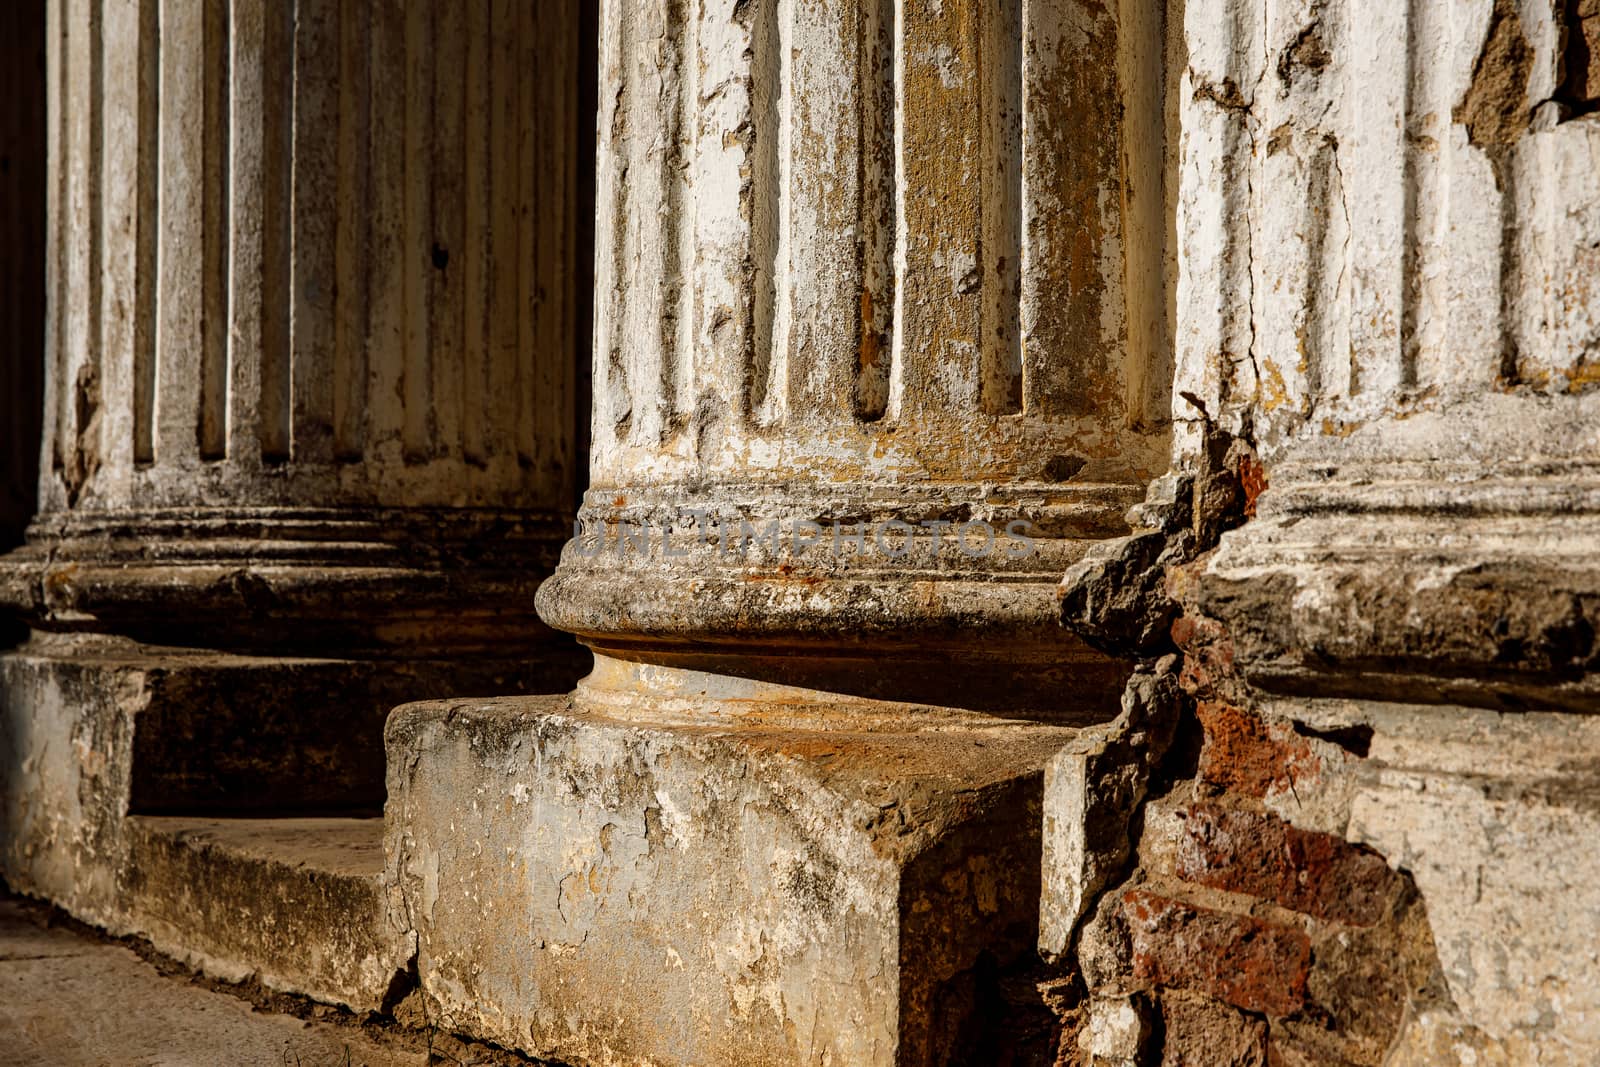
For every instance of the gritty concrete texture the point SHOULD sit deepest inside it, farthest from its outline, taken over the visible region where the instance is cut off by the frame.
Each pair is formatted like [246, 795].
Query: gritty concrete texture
[701, 893]
[1115, 1033]
[1436, 585]
[71, 1001]
[1272, 328]
[1387, 222]
[1367, 881]
[1326, 284]
[295, 398]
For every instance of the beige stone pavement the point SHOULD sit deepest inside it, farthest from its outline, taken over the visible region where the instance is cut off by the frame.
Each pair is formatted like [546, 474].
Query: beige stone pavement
[68, 999]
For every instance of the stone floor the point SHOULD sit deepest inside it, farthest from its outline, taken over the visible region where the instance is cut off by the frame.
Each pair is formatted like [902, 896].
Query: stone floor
[71, 999]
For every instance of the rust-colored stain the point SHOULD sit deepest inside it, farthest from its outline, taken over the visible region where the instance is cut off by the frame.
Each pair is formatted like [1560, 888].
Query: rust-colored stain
[784, 572]
[869, 336]
[1274, 390]
[58, 581]
[1253, 479]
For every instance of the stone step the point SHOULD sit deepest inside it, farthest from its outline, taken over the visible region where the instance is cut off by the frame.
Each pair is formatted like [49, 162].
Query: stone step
[296, 903]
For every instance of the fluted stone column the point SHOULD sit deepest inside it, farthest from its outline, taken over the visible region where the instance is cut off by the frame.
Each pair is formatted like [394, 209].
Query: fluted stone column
[309, 436]
[859, 269]
[879, 351]
[1420, 344]
[310, 324]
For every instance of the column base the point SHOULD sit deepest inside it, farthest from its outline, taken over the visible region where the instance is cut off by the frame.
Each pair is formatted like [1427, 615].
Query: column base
[443, 583]
[939, 593]
[1418, 583]
[595, 888]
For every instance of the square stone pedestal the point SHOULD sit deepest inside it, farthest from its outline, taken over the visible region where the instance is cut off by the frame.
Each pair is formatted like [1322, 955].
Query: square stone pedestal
[605, 891]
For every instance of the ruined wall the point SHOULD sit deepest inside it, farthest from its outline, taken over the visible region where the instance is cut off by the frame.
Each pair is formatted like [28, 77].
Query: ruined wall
[1242, 921]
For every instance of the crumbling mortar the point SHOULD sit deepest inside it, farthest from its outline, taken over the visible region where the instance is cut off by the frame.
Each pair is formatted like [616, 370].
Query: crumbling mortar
[1117, 600]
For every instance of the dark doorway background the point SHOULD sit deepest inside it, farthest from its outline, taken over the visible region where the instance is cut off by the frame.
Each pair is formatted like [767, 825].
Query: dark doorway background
[22, 230]
[588, 116]
[22, 210]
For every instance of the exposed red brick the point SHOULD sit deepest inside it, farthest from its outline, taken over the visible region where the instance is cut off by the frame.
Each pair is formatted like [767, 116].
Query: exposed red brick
[1261, 855]
[1246, 755]
[1207, 654]
[1253, 480]
[1247, 962]
[1201, 1032]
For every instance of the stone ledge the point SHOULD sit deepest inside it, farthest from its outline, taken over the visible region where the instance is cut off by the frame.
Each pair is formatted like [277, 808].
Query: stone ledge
[92, 729]
[296, 903]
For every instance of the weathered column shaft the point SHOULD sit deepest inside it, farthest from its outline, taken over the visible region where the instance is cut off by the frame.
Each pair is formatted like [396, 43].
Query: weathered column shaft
[309, 256]
[824, 253]
[860, 267]
[1420, 344]
[312, 284]
[1413, 197]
